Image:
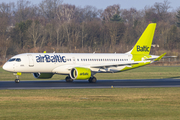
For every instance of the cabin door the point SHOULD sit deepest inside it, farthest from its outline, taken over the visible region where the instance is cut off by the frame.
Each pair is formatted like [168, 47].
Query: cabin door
[31, 61]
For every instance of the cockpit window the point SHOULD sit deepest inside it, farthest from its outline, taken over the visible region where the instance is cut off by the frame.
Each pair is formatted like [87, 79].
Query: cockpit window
[14, 59]
[18, 59]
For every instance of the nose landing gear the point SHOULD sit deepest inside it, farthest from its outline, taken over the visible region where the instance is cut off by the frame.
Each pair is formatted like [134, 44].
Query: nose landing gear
[17, 80]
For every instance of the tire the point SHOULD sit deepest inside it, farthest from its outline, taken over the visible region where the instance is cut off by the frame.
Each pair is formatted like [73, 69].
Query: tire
[17, 80]
[92, 80]
[68, 79]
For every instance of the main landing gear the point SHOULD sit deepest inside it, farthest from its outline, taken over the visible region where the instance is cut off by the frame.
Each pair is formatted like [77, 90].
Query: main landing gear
[68, 79]
[92, 80]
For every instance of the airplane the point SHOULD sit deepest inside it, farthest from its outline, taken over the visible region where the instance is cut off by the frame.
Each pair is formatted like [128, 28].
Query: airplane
[83, 66]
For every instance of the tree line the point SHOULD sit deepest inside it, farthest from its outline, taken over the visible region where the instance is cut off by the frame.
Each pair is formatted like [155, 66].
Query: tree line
[54, 26]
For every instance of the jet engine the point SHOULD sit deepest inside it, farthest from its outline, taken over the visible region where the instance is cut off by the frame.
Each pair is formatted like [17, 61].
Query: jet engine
[80, 73]
[43, 75]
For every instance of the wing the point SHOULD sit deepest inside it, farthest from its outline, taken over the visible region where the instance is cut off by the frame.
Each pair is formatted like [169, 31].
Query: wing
[104, 66]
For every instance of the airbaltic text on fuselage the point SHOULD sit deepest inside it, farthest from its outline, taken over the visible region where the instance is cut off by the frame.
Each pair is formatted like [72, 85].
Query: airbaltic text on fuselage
[142, 49]
[48, 58]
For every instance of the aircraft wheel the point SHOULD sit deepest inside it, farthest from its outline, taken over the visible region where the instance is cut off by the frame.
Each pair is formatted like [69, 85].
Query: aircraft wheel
[92, 80]
[68, 79]
[17, 80]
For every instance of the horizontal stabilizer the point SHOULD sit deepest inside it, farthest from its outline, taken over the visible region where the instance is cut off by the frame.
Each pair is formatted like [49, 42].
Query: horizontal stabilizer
[169, 57]
[161, 58]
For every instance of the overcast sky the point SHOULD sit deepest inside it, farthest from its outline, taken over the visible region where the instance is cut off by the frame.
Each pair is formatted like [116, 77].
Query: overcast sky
[102, 4]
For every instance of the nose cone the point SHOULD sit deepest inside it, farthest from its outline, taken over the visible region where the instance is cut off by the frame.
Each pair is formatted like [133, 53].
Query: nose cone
[8, 67]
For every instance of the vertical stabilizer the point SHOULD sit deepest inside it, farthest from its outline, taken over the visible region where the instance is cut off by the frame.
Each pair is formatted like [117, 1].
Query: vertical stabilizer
[143, 45]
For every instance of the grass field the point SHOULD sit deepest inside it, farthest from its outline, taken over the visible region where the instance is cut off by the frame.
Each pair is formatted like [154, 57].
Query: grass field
[88, 104]
[147, 72]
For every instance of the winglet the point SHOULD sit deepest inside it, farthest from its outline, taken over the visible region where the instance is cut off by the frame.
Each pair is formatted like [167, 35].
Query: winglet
[159, 58]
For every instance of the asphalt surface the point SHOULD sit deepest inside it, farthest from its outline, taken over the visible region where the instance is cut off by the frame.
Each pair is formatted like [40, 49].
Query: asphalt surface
[77, 84]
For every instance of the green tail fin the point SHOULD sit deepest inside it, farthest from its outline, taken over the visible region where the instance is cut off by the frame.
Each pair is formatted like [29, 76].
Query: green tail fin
[143, 45]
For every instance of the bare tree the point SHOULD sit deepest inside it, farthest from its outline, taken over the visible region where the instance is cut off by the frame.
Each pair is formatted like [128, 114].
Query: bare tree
[6, 10]
[65, 12]
[48, 8]
[90, 13]
[5, 16]
[83, 34]
[67, 29]
[158, 12]
[34, 31]
[57, 29]
[110, 11]
[116, 31]
[131, 16]
[44, 36]
[23, 10]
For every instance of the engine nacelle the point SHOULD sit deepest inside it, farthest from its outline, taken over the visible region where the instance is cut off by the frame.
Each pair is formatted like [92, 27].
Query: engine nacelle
[43, 75]
[80, 73]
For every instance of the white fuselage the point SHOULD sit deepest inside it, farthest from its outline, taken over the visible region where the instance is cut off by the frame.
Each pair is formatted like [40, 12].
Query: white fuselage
[62, 63]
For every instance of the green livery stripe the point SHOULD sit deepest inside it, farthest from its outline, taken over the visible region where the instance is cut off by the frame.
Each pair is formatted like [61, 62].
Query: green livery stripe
[135, 66]
[139, 57]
